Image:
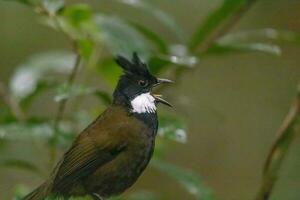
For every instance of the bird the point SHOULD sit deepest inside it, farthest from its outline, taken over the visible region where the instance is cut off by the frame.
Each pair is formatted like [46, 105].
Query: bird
[108, 156]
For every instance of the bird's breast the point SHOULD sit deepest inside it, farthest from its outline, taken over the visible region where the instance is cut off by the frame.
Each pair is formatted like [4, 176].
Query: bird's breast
[138, 132]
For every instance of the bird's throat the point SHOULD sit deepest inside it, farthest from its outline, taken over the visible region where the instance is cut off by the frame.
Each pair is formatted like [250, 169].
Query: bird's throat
[143, 103]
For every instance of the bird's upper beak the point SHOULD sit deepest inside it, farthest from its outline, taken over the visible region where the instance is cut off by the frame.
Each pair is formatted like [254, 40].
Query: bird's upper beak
[163, 80]
[158, 97]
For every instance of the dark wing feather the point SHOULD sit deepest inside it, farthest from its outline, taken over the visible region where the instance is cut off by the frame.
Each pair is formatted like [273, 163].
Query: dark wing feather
[83, 158]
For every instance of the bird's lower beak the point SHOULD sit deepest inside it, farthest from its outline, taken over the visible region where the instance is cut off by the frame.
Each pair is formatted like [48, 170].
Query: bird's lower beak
[158, 97]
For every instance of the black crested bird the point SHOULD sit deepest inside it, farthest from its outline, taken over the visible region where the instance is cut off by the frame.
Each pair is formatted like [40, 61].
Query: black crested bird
[109, 155]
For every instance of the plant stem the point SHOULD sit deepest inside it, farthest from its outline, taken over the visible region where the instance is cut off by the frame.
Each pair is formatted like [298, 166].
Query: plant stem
[61, 109]
[12, 103]
[224, 27]
[220, 31]
[279, 150]
[62, 104]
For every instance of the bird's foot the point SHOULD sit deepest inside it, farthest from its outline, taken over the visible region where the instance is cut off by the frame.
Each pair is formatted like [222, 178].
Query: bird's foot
[97, 196]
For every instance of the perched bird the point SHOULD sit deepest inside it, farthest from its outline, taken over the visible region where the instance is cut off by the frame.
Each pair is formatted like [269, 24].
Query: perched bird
[109, 155]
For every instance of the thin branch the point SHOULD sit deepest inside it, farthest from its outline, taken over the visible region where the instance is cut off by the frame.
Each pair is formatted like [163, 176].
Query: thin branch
[61, 110]
[62, 104]
[40, 9]
[12, 103]
[279, 150]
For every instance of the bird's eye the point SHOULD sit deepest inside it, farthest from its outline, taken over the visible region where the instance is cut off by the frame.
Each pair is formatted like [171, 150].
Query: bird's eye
[143, 83]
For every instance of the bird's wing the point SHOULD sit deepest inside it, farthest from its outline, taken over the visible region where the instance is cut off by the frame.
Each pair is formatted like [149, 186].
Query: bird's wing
[84, 157]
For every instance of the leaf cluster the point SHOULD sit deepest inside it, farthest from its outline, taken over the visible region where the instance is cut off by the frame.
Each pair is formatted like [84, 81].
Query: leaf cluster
[96, 37]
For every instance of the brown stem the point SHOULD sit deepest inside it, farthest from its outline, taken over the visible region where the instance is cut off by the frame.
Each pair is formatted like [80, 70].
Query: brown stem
[12, 103]
[279, 150]
[61, 110]
[62, 104]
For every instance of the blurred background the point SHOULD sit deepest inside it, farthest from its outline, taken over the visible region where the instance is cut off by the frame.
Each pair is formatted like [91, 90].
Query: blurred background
[231, 102]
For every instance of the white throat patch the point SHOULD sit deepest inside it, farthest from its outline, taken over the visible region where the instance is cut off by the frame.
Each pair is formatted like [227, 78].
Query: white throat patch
[143, 103]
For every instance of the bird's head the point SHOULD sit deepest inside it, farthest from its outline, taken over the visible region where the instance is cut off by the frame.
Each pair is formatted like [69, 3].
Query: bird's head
[135, 85]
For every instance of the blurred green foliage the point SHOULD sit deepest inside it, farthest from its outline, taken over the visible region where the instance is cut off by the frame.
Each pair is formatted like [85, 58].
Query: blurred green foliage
[92, 36]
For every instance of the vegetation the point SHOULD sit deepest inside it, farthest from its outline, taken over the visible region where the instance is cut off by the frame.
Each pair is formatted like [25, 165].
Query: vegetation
[95, 39]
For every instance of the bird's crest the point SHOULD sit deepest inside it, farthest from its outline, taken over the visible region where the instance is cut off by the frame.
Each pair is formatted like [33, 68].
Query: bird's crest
[133, 66]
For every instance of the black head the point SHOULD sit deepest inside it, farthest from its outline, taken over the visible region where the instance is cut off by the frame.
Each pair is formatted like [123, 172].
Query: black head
[136, 80]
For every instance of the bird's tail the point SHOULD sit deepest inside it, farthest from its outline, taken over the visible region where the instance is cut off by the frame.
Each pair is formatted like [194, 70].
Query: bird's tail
[39, 193]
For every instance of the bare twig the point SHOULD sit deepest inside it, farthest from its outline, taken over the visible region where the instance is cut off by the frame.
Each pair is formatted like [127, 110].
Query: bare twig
[12, 103]
[279, 150]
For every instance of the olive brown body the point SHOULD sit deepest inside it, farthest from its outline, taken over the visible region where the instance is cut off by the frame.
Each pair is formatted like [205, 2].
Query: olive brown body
[106, 158]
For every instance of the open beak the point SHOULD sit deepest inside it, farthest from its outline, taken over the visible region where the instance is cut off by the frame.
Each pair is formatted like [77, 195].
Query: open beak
[158, 97]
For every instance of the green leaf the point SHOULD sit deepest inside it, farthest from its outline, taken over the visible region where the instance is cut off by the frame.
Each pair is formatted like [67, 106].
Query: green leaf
[26, 131]
[162, 62]
[160, 15]
[178, 54]
[151, 36]
[78, 14]
[5, 115]
[40, 68]
[109, 70]
[158, 65]
[77, 21]
[86, 48]
[214, 20]
[219, 48]
[189, 180]
[242, 41]
[20, 192]
[38, 130]
[53, 6]
[24, 82]
[172, 128]
[121, 38]
[20, 164]
[65, 92]
[41, 87]
[262, 34]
